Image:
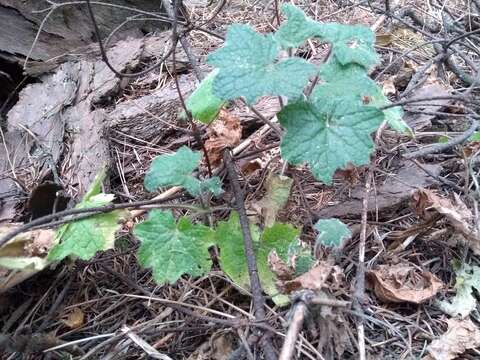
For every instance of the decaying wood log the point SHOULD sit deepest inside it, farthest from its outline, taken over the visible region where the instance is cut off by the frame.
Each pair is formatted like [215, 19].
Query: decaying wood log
[68, 27]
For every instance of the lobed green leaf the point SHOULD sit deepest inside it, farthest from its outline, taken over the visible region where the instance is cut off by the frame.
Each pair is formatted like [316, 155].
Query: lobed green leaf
[84, 238]
[176, 170]
[297, 29]
[362, 90]
[233, 262]
[332, 232]
[328, 134]
[248, 67]
[172, 249]
[203, 103]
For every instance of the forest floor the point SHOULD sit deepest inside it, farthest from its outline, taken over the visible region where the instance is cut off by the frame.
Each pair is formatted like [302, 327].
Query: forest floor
[414, 219]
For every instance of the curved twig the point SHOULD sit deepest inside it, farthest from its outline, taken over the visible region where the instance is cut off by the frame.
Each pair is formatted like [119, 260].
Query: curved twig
[436, 148]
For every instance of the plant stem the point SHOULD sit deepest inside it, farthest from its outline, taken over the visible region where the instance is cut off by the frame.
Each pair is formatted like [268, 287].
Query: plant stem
[256, 287]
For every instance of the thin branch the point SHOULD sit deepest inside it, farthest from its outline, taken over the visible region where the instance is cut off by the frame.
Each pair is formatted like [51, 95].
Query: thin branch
[256, 287]
[430, 98]
[300, 310]
[272, 125]
[172, 11]
[359, 294]
[438, 177]
[93, 211]
[437, 148]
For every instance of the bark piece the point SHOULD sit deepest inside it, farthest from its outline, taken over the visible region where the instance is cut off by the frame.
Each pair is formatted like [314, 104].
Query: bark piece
[420, 121]
[393, 193]
[68, 28]
[59, 110]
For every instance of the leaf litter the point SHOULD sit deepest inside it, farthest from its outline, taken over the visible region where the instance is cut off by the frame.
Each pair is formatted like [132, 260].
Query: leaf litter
[403, 283]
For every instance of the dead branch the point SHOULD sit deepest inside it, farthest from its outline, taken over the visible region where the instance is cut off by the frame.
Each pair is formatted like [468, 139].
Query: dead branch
[256, 287]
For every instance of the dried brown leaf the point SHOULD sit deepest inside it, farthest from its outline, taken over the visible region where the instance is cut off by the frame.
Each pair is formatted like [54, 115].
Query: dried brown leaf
[250, 166]
[403, 283]
[388, 87]
[461, 335]
[333, 326]
[218, 347]
[314, 279]
[279, 267]
[26, 253]
[75, 319]
[455, 211]
[383, 39]
[31, 243]
[225, 132]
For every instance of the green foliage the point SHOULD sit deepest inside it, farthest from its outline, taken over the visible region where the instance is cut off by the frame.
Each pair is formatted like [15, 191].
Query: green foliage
[333, 127]
[464, 302]
[248, 67]
[84, 238]
[361, 90]
[202, 103]
[176, 170]
[296, 29]
[475, 136]
[328, 130]
[351, 44]
[328, 134]
[332, 232]
[279, 237]
[171, 248]
[300, 258]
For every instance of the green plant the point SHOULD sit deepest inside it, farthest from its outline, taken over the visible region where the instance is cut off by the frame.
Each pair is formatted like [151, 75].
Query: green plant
[328, 129]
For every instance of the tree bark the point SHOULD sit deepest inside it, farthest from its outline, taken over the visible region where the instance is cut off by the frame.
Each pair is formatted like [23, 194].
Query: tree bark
[69, 27]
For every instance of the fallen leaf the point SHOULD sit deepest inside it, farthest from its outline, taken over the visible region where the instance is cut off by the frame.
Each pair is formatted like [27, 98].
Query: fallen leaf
[218, 347]
[249, 167]
[350, 174]
[464, 302]
[334, 328]
[279, 267]
[278, 191]
[403, 283]
[24, 255]
[460, 336]
[388, 87]
[455, 211]
[225, 132]
[402, 78]
[314, 279]
[31, 243]
[75, 319]
[383, 39]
